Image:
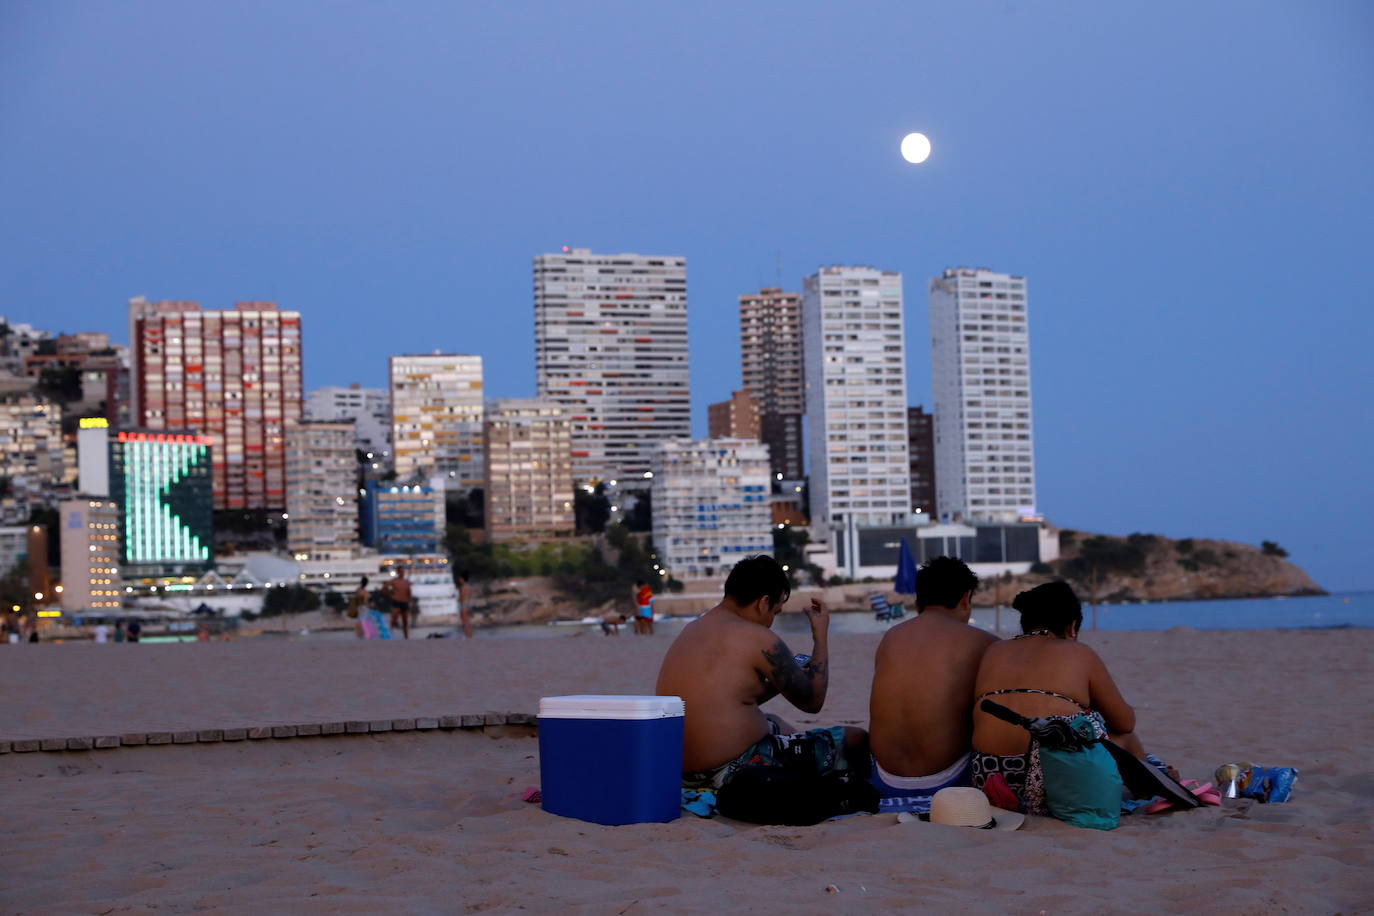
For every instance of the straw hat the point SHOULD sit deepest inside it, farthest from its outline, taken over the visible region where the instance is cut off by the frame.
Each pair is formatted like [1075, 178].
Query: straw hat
[957, 806]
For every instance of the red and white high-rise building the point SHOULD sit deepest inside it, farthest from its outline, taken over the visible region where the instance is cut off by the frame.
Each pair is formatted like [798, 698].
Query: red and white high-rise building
[610, 348]
[231, 374]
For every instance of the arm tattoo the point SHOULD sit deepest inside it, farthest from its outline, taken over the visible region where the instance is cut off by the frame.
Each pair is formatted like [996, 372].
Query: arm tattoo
[796, 683]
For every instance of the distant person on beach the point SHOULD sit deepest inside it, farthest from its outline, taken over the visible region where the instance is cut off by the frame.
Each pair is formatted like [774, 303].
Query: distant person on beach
[465, 602]
[119, 631]
[920, 720]
[135, 630]
[357, 609]
[102, 633]
[1044, 672]
[727, 662]
[644, 609]
[397, 591]
[610, 624]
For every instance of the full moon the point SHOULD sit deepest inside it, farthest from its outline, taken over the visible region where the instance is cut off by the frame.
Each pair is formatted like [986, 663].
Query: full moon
[915, 148]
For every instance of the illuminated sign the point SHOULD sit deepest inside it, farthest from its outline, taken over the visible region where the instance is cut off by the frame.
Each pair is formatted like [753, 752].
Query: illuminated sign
[93, 423]
[161, 482]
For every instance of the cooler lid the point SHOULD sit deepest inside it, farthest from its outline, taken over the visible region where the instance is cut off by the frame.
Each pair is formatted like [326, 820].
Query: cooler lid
[609, 707]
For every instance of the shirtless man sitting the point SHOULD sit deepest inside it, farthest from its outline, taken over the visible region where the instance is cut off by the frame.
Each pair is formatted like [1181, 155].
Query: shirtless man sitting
[921, 706]
[727, 662]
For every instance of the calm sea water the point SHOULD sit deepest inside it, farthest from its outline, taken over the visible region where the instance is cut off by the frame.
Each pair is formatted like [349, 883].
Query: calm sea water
[1350, 609]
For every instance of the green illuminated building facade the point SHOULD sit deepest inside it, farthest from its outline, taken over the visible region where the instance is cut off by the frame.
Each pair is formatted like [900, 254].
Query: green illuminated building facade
[162, 483]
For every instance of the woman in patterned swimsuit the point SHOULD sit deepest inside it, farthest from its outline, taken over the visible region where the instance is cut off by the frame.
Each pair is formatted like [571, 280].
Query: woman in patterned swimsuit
[1045, 672]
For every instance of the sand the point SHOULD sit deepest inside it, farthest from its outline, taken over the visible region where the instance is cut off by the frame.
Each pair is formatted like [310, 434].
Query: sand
[433, 821]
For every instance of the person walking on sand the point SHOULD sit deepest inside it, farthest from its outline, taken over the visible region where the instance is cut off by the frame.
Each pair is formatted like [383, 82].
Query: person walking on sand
[727, 663]
[920, 722]
[356, 609]
[465, 602]
[397, 590]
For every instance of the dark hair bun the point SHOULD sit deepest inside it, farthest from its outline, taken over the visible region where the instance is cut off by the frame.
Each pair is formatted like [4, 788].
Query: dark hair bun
[1052, 606]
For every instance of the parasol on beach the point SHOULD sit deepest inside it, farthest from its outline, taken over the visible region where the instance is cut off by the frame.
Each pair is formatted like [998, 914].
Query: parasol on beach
[905, 583]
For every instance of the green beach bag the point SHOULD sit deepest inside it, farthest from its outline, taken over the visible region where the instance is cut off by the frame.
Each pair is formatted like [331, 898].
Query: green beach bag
[1082, 785]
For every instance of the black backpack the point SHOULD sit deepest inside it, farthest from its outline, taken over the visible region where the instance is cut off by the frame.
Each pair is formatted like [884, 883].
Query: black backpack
[795, 794]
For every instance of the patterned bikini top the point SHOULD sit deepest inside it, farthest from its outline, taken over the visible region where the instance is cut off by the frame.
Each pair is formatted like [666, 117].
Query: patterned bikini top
[1047, 693]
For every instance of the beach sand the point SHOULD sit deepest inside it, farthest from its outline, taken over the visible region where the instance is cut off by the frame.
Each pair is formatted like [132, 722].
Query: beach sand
[433, 821]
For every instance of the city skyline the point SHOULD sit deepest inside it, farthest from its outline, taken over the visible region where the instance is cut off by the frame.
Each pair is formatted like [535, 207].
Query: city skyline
[1172, 218]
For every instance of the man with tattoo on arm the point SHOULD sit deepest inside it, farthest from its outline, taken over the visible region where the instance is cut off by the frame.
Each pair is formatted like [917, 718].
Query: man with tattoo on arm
[727, 662]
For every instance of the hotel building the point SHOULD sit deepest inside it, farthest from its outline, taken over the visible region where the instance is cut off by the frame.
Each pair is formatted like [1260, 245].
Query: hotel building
[321, 492]
[90, 548]
[529, 485]
[737, 418]
[920, 443]
[980, 376]
[162, 484]
[233, 375]
[770, 334]
[368, 408]
[436, 407]
[856, 398]
[711, 505]
[610, 338]
[405, 519]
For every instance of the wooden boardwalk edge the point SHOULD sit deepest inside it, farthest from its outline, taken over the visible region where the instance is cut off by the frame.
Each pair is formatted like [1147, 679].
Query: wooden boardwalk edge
[462, 721]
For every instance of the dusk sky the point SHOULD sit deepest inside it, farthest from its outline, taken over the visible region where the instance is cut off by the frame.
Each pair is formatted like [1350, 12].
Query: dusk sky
[1188, 188]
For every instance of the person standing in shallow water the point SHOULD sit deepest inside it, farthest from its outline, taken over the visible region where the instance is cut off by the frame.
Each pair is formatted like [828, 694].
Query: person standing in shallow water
[465, 602]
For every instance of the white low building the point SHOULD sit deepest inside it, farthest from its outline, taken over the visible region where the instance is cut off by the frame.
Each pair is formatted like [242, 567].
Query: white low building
[710, 505]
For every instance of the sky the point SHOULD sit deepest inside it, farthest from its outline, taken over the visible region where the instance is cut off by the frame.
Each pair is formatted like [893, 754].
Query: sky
[1187, 187]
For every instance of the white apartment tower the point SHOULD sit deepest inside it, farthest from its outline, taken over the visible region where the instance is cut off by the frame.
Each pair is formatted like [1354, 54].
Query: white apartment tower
[610, 347]
[436, 410]
[321, 490]
[368, 408]
[980, 376]
[855, 398]
[711, 505]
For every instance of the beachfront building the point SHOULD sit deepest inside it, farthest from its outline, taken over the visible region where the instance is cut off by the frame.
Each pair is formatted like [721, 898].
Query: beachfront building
[980, 375]
[321, 490]
[14, 547]
[162, 484]
[856, 398]
[920, 445]
[404, 518]
[436, 412]
[770, 345]
[33, 460]
[610, 347]
[233, 375]
[990, 548]
[711, 505]
[737, 418]
[529, 483]
[368, 408]
[90, 546]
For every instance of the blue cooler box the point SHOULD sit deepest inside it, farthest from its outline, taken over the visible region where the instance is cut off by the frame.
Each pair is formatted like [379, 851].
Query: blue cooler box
[611, 759]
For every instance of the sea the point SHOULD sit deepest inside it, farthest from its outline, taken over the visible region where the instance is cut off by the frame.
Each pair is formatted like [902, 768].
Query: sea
[1325, 612]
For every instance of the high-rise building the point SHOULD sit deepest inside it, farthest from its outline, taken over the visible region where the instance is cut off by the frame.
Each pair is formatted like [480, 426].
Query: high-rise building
[161, 484]
[321, 490]
[737, 418]
[404, 518]
[368, 408]
[856, 398]
[610, 347]
[436, 409]
[711, 505]
[33, 458]
[770, 335]
[90, 554]
[980, 376]
[233, 375]
[920, 443]
[529, 486]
